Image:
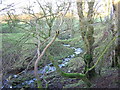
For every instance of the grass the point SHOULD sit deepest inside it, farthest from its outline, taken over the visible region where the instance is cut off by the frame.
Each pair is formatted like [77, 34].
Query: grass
[13, 44]
[12, 36]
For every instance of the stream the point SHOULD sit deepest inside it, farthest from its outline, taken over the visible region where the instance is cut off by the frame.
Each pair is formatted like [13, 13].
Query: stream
[46, 69]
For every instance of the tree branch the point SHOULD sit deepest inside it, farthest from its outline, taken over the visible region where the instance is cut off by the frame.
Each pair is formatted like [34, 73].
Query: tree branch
[39, 58]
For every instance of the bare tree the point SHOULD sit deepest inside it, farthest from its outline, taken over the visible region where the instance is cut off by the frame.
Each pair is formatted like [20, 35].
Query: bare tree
[87, 32]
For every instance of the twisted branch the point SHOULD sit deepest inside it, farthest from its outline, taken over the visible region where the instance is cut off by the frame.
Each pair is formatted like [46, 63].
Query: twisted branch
[40, 56]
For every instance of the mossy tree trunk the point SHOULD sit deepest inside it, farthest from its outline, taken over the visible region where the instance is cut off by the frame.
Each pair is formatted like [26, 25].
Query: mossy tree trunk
[87, 31]
[116, 56]
[118, 41]
[90, 39]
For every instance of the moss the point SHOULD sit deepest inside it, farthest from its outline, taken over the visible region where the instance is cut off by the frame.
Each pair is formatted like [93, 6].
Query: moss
[74, 85]
[73, 75]
[60, 61]
[75, 63]
[58, 51]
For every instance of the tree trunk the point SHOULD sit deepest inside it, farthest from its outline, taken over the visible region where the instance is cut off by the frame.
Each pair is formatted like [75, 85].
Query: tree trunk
[117, 49]
[90, 39]
[116, 56]
[87, 31]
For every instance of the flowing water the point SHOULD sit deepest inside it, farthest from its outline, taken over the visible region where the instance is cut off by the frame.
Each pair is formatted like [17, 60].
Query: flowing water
[46, 69]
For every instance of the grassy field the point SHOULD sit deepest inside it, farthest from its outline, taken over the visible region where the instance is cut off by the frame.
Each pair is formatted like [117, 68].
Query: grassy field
[20, 44]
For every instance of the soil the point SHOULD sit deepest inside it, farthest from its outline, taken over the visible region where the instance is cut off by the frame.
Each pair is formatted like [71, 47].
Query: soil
[110, 80]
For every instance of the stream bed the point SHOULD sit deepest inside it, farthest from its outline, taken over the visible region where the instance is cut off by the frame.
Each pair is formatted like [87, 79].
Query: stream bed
[46, 69]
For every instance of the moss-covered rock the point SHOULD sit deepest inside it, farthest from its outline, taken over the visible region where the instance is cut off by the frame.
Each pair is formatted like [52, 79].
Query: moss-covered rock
[74, 85]
[75, 64]
[58, 51]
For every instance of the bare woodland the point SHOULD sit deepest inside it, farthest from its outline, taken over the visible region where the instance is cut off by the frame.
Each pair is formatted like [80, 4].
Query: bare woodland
[66, 44]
